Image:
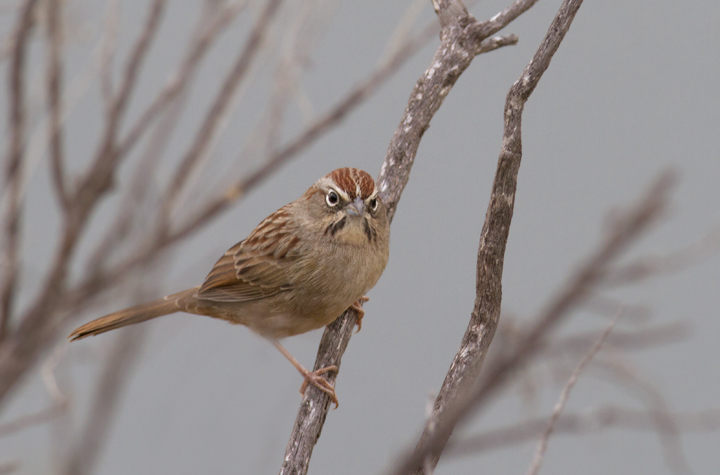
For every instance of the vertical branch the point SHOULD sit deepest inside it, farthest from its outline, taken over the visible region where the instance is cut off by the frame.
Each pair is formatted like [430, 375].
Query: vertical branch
[13, 172]
[460, 43]
[315, 403]
[107, 54]
[54, 85]
[491, 254]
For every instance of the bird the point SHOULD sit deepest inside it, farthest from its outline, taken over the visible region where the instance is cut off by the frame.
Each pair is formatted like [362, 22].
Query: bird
[297, 271]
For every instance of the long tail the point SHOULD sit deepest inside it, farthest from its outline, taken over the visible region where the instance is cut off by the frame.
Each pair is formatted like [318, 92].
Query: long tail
[129, 316]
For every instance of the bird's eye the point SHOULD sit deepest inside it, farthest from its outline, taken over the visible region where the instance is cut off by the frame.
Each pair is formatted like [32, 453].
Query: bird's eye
[373, 204]
[332, 198]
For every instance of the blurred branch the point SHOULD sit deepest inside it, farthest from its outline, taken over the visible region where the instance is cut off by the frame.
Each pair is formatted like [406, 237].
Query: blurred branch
[651, 337]
[13, 172]
[564, 396]
[117, 369]
[99, 178]
[676, 261]
[40, 323]
[54, 85]
[60, 402]
[627, 379]
[9, 467]
[32, 420]
[454, 55]
[179, 80]
[169, 105]
[582, 424]
[107, 54]
[215, 113]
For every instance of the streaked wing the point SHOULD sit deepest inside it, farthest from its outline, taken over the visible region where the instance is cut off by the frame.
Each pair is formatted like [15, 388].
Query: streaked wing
[255, 268]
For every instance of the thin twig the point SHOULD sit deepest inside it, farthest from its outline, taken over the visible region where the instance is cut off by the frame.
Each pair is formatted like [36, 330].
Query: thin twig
[107, 54]
[32, 420]
[123, 354]
[169, 103]
[13, 173]
[99, 179]
[609, 417]
[54, 85]
[219, 105]
[564, 396]
[179, 80]
[676, 261]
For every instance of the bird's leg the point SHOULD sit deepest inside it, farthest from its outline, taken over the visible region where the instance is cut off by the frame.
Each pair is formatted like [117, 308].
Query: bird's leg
[357, 306]
[315, 378]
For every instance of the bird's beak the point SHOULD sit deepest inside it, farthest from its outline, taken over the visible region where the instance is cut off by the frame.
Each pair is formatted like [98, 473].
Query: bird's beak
[356, 207]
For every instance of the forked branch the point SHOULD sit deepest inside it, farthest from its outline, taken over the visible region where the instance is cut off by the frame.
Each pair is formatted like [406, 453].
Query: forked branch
[460, 43]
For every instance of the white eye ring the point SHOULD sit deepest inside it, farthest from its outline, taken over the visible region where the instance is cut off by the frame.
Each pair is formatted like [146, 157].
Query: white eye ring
[373, 204]
[332, 198]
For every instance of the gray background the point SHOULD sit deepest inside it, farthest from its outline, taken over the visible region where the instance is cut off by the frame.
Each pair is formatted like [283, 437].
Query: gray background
[632, 90]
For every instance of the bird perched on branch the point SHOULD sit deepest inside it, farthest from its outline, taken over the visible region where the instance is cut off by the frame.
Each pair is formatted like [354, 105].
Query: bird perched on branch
[297, 271]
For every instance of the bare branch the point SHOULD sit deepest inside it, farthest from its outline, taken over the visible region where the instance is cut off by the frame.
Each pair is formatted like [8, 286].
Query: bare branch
[31, 420]
[54, 85]
[491, 253]
[41, 321]
[454, 55]
[609, 417]
[9, 467]
[676, 261]
[639, 218]
[99, 178]
[123, 354]
[491, 44]
[315, 404]
[179, 81]
[219, 105]
[109, 44]
[489, 27]
[564, 396]
[13, 173]
[652, 337]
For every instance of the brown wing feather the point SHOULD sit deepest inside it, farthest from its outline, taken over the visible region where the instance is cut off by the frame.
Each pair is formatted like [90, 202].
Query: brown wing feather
[254, 268]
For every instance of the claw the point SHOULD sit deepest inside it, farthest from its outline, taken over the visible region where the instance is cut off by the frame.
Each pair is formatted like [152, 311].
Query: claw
[357, 306]
[315, 378]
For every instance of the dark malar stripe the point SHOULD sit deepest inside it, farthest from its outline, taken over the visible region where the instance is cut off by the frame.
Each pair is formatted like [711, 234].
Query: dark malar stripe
[369, 231]
[335, 227]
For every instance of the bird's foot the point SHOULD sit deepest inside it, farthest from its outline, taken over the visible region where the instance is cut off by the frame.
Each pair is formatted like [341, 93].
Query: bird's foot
[357, 306]
[315, 378]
